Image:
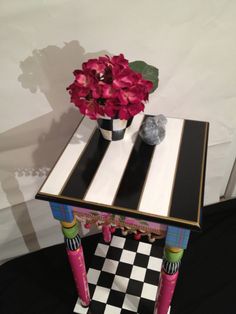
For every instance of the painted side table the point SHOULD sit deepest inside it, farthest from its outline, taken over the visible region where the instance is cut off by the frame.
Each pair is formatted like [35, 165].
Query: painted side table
[152, 190]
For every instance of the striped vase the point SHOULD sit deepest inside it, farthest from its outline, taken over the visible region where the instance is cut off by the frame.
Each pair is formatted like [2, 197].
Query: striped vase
[113, 129]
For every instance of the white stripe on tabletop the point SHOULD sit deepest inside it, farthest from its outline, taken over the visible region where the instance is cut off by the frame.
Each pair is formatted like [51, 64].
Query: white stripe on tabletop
[106, 181]
[158, 187]
[68, 159]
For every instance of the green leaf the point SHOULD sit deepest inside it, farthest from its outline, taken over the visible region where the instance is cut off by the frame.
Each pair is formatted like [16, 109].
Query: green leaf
[148, 72]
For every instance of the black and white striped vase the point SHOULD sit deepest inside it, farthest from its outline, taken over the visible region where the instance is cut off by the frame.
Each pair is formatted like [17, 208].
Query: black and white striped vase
[113, 129]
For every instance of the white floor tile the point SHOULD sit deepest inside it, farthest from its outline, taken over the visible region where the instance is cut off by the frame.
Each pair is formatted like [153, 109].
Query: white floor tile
[149, 291]
[120, 283]
[110, 266]
[93, 275]
[101, 250]
[144, 248]
[155, 263]
[118, 242]
[138, 273]
[101, 294]
[112, 309]
[127, 257]
[131, 302]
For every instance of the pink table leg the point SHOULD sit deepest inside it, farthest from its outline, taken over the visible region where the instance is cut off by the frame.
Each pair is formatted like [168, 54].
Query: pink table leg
[168, 279]
[76, 259]
[106, 230]
[165, 292]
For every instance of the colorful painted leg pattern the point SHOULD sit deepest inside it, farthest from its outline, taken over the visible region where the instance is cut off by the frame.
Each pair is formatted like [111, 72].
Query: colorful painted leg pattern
[168, 278]
[76, 259]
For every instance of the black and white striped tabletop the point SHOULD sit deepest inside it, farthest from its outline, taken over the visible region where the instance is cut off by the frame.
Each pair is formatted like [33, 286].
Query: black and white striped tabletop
[162, 183]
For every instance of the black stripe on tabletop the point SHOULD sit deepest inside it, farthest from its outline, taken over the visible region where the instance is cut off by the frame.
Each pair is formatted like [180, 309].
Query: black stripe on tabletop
[187, 185]
[86, 167]
[131, 185]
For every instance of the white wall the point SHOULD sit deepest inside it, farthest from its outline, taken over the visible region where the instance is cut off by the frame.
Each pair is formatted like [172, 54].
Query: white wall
[191, 42]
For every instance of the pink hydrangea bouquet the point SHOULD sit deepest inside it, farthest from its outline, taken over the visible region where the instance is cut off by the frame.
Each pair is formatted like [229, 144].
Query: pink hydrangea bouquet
[112, 87]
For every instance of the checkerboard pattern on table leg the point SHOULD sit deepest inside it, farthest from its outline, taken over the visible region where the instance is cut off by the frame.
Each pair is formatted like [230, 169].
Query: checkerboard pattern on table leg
[123, 277]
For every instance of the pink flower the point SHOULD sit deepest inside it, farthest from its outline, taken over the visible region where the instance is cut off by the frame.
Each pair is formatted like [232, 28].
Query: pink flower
[133, 95]
[110, 108]
[127, 112]
[124, 113]
[108, 91]
[77, 92]
[97, 90]
[81, 80]
[108, 86]
[135, 109]
[94, 64]
[120, 60]
[125, 78]
[88, 107]
[147, 84]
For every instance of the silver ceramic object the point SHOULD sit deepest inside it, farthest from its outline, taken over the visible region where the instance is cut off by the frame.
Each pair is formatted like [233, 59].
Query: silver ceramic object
[153, 129]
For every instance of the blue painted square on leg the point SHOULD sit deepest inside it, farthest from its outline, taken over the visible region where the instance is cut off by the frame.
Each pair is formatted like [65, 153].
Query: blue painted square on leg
[62, 212]
[177, 237]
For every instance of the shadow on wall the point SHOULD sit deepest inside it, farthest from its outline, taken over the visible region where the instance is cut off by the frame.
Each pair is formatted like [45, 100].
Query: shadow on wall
[49, 71]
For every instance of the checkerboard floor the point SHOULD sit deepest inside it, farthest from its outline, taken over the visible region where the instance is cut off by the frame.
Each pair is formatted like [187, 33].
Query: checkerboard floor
[123, 277]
